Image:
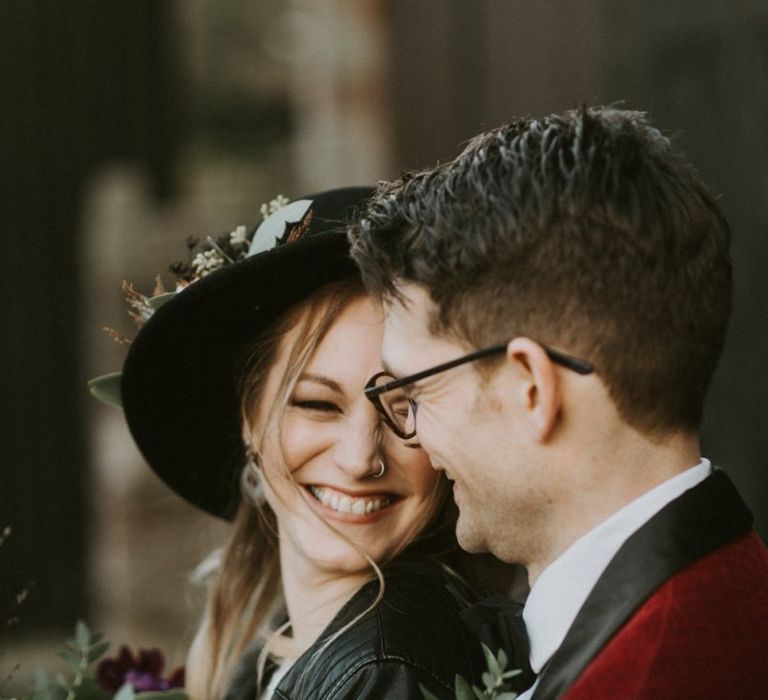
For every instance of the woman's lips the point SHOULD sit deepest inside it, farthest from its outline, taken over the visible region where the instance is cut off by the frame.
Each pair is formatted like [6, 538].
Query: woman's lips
[349, 507]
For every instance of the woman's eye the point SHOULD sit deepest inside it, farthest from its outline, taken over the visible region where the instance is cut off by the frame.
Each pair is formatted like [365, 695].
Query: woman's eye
[401, 407]
[316, 405]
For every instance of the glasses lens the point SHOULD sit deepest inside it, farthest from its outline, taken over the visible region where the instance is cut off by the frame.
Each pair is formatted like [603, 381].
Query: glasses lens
[397, 407]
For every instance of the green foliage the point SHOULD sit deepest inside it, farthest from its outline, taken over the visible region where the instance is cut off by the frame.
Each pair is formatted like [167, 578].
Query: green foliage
[128, 693]
[426, 694]
[158, 300]
[494, 679]
[106, 388]
[80, 653]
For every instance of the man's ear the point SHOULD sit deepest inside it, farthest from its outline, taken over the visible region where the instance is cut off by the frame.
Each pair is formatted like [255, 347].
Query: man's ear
[539, 386]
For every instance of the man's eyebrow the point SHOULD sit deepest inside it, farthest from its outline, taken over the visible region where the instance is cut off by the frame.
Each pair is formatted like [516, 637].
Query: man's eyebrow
[332, 384]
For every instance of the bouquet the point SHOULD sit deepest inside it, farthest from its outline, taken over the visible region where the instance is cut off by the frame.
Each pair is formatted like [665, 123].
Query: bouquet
[124, 677]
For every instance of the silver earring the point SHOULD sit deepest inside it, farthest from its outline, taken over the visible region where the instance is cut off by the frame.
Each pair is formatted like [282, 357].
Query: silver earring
[382, 469]
[252, 467]
[252, 484]
[254, 459]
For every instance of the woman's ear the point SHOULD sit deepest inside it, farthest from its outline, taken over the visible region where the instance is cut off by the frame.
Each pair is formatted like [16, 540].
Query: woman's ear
[539, 396]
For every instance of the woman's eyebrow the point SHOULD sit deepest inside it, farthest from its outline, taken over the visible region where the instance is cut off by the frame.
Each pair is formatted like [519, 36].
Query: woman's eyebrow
[388, 369]
[332, 384]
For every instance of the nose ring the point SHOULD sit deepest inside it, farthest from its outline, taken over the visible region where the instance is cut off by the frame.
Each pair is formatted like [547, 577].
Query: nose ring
[382, 469]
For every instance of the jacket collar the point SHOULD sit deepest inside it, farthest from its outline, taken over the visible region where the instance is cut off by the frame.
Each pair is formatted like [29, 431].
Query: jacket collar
[701, 520]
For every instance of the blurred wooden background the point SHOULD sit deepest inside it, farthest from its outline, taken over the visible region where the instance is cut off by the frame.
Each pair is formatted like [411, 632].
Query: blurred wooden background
[128, 125]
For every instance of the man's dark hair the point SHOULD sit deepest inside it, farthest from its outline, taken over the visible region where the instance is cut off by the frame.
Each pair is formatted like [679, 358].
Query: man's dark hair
[585, 231]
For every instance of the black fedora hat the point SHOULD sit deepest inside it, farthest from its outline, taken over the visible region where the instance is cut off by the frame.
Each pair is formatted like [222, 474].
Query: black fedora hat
[179, 382]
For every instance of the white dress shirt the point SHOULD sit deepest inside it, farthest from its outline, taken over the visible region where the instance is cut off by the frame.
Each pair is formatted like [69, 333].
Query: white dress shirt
[562, 588]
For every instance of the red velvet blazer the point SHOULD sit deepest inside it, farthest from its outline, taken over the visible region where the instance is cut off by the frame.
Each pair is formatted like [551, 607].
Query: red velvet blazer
[680, 612]
[703, 634]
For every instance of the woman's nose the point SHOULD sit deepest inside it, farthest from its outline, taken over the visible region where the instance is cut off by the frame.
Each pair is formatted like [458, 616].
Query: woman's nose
[357, 450]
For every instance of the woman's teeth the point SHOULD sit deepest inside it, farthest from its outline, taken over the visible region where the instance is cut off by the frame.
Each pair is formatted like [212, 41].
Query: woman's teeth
[342, 503]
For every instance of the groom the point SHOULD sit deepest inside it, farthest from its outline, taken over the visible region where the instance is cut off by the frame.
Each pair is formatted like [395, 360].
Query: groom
[556, 302]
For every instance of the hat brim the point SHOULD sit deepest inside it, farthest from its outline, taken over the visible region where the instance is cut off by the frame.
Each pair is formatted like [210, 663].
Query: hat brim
[180, 379]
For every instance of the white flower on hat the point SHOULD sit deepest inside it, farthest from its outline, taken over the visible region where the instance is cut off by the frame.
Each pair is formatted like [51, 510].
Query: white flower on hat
[239, 236]
[207, 261]
[274, 205]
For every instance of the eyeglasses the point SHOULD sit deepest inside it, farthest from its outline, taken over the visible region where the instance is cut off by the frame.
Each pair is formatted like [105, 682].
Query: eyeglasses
[398, 410]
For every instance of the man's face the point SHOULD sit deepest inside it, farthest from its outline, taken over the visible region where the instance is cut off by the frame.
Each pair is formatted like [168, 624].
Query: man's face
[466, 426]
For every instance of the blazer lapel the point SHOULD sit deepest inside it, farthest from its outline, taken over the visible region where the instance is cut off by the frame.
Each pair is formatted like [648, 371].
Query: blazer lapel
[701, 520]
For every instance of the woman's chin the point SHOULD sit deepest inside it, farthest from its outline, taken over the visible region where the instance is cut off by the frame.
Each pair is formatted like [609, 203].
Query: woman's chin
[344, 563]
[333, 555]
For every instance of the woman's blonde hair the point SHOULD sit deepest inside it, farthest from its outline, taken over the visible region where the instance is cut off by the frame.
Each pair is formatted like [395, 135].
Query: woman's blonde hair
[246, 594]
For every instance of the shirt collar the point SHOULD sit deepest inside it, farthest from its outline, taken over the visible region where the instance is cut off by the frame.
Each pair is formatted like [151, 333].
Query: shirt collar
[562, 588]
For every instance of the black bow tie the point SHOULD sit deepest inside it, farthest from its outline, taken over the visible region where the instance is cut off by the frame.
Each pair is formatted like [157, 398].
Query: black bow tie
[498, 623]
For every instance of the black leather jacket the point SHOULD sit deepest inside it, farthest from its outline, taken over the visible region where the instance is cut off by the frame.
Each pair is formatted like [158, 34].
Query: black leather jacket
[414, 636]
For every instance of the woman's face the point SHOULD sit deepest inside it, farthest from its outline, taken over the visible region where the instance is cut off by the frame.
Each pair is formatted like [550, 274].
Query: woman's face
[332, 445]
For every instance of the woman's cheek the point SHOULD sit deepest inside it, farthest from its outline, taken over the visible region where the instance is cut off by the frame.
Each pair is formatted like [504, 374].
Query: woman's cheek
[427, 480]
[303, 440]
[415, 463]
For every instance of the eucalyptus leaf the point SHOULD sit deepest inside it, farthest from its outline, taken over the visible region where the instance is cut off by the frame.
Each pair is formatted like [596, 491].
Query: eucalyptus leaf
[57, 692]
[509, 695]
[490, 660]
[480, 694]
[511, 674]
[273, 228]
[42, 679]
[73, 660]
[82, 635]
[157, 301]
[89, 689]
[97, 651]
[426, 694]
[51, 692]
[462, 689]
[106, 388]
[126, 692]
[489, 680]
[501, 657]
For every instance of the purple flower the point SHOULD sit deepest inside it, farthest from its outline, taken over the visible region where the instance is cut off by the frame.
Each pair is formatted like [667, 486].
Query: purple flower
[144, 672]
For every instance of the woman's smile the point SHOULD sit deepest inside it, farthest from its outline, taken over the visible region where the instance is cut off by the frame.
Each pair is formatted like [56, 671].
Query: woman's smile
[349, 507]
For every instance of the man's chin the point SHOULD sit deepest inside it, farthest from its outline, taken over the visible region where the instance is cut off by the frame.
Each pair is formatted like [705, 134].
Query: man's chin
[469, 538]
